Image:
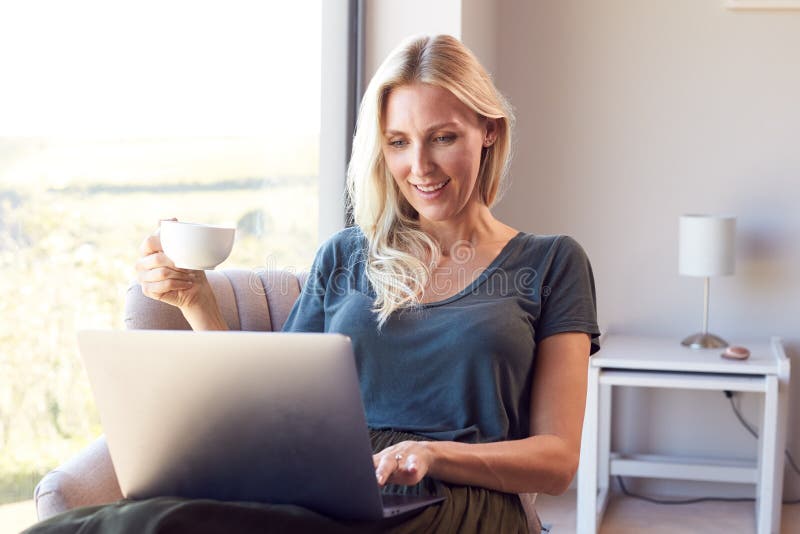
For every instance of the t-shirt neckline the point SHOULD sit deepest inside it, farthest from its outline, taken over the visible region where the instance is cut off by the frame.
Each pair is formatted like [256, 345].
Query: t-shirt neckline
[481, 278]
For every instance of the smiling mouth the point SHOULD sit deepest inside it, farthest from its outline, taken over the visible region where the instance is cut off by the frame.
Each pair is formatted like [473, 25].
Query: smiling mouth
[431, 188]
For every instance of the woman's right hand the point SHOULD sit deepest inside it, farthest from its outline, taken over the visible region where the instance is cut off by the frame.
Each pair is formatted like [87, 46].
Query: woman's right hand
[161, 280]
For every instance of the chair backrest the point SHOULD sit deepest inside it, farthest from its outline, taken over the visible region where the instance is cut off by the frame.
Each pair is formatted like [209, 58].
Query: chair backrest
[249, 300]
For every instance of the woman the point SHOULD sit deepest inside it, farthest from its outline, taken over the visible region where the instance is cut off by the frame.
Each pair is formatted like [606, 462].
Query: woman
[471, 338]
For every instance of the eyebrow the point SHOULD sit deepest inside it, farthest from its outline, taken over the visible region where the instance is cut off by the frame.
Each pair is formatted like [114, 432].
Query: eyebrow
[433, 128]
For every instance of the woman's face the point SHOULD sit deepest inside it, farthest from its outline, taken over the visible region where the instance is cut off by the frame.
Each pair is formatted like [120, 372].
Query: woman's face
[432, 146]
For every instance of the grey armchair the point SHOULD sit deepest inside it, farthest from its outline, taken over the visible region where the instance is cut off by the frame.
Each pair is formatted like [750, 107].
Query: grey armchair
[249, 300]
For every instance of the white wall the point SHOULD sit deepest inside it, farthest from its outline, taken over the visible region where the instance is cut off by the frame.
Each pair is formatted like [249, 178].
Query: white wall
[631, 113]
[387, 23]
[479, 30]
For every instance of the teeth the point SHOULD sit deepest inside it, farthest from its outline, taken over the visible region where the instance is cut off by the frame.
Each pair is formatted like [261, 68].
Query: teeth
[433, 187]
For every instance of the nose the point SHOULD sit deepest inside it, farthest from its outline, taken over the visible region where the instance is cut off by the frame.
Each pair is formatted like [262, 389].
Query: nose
[422, 164]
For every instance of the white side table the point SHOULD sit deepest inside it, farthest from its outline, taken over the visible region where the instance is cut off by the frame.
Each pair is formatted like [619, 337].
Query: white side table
[664, 363]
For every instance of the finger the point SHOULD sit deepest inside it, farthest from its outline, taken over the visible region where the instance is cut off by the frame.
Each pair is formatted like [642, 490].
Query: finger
[378, 456]
[386, 467]
[163, 273]
[407, 465]
[158, 289]
[410, 471]
[150, 245]
[153, 261]
[410, 464]
[156, 260]
[159, 259]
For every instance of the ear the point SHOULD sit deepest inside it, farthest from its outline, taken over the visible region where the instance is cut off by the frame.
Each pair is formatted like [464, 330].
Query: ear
[491, 130]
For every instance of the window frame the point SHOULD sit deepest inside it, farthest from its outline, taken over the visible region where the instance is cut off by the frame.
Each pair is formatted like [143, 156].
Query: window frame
[343, 46]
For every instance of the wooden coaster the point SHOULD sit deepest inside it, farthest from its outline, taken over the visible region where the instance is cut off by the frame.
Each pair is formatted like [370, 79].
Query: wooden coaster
[736, 353]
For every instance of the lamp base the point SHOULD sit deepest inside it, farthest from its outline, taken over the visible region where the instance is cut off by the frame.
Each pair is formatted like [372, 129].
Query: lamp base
[704, 341]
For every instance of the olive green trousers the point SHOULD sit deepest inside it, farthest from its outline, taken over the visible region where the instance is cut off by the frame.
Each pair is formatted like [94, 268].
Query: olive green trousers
[465, 510]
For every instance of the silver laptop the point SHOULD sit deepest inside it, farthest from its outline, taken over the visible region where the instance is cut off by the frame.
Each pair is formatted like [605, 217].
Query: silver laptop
[238, 416]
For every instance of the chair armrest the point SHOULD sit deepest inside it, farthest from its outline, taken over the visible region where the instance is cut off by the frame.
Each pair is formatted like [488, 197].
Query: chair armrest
[86, 479]
[248, 300]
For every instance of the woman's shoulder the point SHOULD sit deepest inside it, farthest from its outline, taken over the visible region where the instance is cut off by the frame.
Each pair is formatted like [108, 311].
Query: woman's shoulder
[550, 254]
[349, 237]
[344, 237]
[551, 247]
[343, 247]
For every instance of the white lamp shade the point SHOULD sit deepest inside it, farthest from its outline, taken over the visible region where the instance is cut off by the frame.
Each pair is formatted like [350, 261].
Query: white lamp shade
[706, 245]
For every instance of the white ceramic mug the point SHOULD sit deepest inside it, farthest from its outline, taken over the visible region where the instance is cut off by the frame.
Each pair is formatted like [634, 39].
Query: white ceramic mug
[196, 246]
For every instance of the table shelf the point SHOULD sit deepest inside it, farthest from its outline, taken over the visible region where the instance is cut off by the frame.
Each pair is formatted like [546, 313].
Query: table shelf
[670, 467]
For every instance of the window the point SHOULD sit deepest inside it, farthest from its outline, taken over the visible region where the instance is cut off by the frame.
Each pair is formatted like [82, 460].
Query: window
[115, 116]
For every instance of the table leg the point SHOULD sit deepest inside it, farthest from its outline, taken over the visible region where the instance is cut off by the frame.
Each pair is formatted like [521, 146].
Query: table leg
[604, 448]
[587, 522]
[770, 461]
[780, 445]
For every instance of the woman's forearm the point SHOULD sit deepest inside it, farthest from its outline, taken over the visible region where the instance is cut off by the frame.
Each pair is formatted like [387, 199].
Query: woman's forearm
[543, 463]
[205, 315]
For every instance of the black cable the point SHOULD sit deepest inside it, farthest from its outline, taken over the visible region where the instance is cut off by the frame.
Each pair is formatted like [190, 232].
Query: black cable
[752, 432]
[739, 416]
[750, 429]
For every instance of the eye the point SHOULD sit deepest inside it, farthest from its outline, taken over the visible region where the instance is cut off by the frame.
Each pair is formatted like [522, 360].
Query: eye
[398, 143]
[444, 139]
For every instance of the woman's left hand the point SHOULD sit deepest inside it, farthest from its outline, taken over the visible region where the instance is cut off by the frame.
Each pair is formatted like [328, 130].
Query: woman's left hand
[404, 463]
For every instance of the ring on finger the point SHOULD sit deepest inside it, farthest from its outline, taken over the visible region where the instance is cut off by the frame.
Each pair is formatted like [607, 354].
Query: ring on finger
[399, 458]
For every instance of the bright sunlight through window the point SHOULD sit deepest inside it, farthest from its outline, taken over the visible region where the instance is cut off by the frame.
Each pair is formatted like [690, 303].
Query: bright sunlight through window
[112, 116]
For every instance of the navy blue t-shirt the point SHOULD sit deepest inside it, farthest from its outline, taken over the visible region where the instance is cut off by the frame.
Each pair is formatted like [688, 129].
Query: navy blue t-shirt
[458, 369]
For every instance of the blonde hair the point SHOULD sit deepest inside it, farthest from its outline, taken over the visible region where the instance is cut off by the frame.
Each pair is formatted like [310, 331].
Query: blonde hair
[396, 245]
